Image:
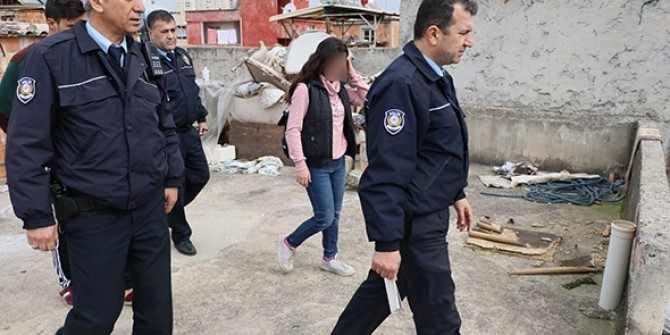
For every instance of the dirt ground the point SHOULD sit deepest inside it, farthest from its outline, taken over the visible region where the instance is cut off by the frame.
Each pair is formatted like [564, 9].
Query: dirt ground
[233, 286]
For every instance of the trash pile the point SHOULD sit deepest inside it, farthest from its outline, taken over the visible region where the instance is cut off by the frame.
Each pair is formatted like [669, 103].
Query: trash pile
[552, 187]
[266, 166]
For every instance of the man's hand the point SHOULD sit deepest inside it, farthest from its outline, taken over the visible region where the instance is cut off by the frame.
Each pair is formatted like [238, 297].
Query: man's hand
[171, 195]
[44, 238]
[386, 264]
[202, 128]
[303, 178]
[464, 211]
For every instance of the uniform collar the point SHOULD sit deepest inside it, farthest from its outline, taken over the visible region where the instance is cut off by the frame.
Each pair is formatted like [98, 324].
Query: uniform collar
[434, 66]
[162, 52]
[87, 43]
[103, 42]
[421, 62]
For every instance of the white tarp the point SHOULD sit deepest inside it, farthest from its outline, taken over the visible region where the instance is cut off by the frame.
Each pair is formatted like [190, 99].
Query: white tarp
[301, 48]
[540, 178]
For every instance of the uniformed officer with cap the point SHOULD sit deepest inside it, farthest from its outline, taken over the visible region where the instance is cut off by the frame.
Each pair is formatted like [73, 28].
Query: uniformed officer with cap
[418, 166]
[186, 108]
[90, 132]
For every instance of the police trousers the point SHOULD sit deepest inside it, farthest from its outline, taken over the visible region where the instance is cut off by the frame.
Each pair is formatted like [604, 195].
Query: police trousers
[196, 176]
[102, 244]
[424, 278]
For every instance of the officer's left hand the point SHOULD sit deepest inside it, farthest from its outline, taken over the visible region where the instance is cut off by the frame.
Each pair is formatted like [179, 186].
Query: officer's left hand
[171, 195]
[202, 128]
[464, 211]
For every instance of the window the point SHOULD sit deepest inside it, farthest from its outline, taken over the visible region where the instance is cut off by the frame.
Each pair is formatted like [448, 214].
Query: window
[222, 32]
[368, 34]
[311, 27]
[181, 33]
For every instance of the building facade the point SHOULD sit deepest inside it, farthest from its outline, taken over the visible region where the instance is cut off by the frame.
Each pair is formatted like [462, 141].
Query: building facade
[237, 22]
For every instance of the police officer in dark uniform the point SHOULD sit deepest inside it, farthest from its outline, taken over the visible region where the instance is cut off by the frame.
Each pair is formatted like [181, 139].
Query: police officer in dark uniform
[91, 133]
[418, 153]
[186, 107]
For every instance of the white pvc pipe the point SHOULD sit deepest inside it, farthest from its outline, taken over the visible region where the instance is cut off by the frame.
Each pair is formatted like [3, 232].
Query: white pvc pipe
[616, 267]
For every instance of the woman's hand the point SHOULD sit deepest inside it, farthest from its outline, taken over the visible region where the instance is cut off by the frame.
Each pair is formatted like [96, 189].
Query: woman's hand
[303, 178]
[351, 74]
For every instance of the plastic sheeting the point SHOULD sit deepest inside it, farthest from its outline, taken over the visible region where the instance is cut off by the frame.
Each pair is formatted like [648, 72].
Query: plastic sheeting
[267, 166]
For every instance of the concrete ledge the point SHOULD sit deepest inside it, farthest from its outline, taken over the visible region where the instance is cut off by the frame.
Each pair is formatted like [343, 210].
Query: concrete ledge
[648, 205]
[555, 142]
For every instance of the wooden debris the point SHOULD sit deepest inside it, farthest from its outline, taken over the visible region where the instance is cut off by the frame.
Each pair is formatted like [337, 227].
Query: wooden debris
[496, 228]
[579, 282]
[531, 244]
[495, 238]
[554, 271]
[546, 239]
[538, 225]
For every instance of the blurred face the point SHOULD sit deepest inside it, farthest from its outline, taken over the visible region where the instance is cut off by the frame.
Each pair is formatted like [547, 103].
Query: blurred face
[336, 68]
[63, 24]
[117, 18]
[450, 47]
[164, 36]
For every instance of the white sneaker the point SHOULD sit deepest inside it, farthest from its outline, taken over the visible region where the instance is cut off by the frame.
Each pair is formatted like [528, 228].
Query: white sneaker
[337, 267]
[284, 254]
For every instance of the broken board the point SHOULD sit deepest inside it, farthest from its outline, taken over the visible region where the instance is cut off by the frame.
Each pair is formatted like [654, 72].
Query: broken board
[540, 246]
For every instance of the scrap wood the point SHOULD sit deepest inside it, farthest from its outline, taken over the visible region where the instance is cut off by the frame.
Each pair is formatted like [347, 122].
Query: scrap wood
[561, 270]
[486, 224]
[579, 282]
[533, 246]
[496, 238]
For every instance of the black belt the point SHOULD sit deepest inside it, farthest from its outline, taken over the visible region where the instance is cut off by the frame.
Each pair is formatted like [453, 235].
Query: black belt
[89, 205]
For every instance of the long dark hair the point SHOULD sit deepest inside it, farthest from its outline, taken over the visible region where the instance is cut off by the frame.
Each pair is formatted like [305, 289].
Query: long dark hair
[316, 63]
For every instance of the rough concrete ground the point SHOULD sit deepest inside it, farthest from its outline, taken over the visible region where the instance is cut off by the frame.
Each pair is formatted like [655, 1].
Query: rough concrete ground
[233, 286]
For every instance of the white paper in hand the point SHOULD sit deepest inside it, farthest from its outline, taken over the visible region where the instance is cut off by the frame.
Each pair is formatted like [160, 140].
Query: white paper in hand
[393, 295]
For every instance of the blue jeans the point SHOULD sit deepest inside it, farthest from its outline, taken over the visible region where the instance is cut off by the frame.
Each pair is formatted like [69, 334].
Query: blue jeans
[326, 192]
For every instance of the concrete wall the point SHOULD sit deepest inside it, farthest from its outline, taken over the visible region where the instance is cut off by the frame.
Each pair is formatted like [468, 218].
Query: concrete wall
[560, 83]
[648, 205]
[570, 58]
[220, 60]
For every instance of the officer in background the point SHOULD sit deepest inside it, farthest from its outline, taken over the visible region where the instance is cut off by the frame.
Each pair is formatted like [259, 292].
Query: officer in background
[186, 108]
[418, 166]
[90, 130]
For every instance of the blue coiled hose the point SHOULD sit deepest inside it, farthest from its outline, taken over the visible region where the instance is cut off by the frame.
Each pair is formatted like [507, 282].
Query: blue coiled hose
[582, 192]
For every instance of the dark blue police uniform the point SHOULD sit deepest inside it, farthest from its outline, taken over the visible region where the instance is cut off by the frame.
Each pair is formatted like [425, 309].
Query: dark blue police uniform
[418, 165]
[105, 133]
[186, 108]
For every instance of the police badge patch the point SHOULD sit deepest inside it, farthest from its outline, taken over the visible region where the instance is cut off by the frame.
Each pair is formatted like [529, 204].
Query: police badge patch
[186, 61]
[25, 91]
[394, 121]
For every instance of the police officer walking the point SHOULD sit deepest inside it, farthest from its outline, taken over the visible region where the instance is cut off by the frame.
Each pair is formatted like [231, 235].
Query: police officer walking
[90, 131]
[418, 166]
[186, 107]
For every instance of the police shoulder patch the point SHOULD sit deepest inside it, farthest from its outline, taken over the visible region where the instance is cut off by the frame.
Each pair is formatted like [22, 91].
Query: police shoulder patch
[394, 121]
[25, 91]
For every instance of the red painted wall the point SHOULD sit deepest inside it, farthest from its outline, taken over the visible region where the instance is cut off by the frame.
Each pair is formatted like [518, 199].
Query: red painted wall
[256, 27]
[254, 17]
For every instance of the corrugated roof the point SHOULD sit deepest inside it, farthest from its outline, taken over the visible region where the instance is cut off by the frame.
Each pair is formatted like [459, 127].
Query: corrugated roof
[334, 12]
[32, 2]
[8, 28]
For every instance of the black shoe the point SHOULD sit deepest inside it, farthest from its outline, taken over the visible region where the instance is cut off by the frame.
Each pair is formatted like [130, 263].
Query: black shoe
[187, 248]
